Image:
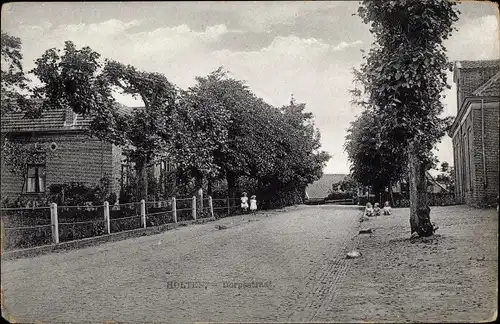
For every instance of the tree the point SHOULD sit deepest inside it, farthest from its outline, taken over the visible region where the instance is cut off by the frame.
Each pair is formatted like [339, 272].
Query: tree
[403, 77]
[447, 176]
[202, 131]
[292, 156]
[373, 162]
[80, 80]
[242, 108]
[14, 81]
[148, 132]
[17, 152]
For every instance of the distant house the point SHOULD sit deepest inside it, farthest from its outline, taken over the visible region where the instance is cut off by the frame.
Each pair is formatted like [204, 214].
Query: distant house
[69, 155]
[322, 187]
[475, 131]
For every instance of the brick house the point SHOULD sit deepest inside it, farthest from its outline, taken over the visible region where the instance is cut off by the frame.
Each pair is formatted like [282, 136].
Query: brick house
[69, 154]
[475, 131]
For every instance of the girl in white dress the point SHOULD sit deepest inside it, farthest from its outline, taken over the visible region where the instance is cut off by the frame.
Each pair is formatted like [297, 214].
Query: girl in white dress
[253, 204]
[244, 202]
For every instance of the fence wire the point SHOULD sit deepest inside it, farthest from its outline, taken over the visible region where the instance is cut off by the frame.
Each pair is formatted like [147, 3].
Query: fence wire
[28, 227]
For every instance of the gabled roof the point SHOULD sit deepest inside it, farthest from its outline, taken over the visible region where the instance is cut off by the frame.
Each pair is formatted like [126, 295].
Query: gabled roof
[490, 88]
[51, 120]
[321, 188]
[480, 64]
[477, 64]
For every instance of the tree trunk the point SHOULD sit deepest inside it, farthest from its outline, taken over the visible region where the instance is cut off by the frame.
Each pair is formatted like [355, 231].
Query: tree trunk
[209, 187]
[419, 208]
[174, 182]
[231, 181]
[391, 196]
[142, 180]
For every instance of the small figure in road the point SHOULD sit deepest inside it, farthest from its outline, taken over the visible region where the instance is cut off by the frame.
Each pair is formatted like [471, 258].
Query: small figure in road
[244, 202]
[376, 210]
[253, 204]
[387, 208]
[369, 210]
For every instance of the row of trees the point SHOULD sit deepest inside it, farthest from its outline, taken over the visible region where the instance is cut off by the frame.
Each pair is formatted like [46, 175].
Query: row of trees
[402, 81]
[216, 130]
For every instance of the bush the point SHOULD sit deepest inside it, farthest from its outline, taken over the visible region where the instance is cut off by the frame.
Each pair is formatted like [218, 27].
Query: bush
[78, 193]
[339, 195]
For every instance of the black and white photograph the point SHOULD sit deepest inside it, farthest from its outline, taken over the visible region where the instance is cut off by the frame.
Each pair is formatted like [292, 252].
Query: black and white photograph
[250, 161]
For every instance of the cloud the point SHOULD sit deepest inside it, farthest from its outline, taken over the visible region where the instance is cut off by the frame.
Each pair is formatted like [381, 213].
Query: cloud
[314, 65]
[344, 45]
[477, 38]
[262, 16]
[307, 67]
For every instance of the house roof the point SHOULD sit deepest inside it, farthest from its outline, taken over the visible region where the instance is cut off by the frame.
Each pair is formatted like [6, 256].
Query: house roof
[51, 120]
[477, 64]
[321, 188]
[490, 88]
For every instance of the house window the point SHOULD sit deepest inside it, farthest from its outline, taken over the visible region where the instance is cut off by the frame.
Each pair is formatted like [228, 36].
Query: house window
[35, 180]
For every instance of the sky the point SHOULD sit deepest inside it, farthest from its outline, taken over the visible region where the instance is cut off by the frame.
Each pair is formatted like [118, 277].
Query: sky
[303, 48]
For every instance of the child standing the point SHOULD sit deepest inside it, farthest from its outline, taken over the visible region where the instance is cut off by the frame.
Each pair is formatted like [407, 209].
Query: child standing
[244, 202]
[253, 204]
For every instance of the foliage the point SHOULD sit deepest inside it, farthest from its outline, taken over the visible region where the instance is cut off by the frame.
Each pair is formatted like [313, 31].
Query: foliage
[18, 152]
[339, 195]
[348, 187]
[14, 81]
[274, 151]
[447, 176]
[405, 70]
[217, 129]
[80, 80]
[402, 80]
[373, 162]
[78, 194]
[202, 128]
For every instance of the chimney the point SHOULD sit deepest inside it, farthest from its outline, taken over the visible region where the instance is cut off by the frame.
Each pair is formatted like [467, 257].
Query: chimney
[70, 117]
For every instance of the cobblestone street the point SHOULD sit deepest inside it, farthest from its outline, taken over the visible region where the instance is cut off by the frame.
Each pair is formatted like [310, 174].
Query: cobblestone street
[293, 257]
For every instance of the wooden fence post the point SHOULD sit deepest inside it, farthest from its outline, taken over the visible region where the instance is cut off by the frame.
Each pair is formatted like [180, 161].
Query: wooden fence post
[55, 223]
[193, 206]
[107, 224]
[228, 207]
[211, 206]
[174, 209]
[200, 201]
[143, 213]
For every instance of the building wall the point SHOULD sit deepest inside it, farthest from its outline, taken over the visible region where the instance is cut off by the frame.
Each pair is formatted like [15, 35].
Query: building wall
[464, 165]
[476, 177]
[77, 158]
[486, 183]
